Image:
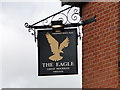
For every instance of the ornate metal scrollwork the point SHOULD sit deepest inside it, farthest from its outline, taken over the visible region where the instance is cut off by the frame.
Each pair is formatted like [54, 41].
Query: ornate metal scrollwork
[26, 25]
[68, 16]
[60, 16]
[31, 30]
[47, 22]
[71, 16]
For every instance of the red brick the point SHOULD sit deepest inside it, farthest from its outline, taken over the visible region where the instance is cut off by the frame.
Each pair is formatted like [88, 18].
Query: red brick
[100, 45]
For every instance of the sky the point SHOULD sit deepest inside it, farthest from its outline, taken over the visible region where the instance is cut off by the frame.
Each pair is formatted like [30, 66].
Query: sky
[18, 51]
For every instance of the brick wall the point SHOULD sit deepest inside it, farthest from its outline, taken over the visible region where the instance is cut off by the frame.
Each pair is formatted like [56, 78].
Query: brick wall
[100, 45]
[119, 42]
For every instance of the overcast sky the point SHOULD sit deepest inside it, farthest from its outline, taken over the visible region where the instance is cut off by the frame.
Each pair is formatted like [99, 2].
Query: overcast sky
[18, 50]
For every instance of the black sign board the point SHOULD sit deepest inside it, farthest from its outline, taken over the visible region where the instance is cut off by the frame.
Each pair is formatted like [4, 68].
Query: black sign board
[57, 52]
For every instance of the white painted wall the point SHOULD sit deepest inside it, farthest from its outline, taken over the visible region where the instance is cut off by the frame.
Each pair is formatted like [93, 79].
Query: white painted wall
[19, 52]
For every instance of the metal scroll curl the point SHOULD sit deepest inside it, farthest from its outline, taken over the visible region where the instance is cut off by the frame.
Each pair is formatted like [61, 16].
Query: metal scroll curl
[61, 17]
[33, 33]
[47, 22]
[72, 15]
[31, 30]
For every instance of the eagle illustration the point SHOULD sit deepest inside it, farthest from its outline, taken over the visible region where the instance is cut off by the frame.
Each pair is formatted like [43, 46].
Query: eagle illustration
[56, 48]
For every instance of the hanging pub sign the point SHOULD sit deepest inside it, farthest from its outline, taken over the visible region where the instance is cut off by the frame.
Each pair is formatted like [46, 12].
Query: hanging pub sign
[57, 52]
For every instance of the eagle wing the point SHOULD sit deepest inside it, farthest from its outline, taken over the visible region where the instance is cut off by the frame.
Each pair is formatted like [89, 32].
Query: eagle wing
[53, 43]
[64, 44]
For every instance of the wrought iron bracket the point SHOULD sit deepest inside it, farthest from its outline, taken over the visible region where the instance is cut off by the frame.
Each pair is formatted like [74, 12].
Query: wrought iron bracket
[67, 25]
[69, 20]
[89, 20]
